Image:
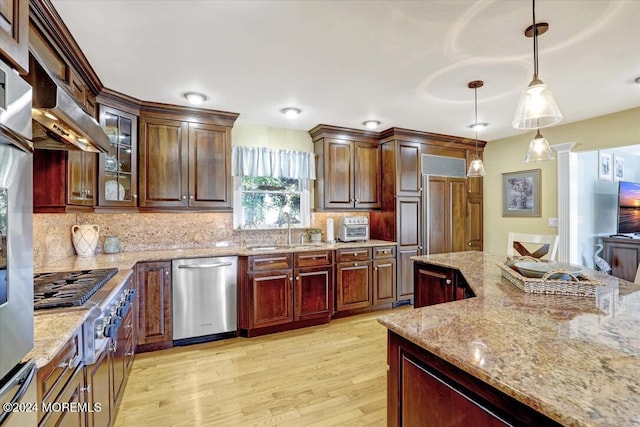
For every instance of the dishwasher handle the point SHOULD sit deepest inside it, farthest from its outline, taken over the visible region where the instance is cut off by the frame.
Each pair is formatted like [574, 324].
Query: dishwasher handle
[205, 266]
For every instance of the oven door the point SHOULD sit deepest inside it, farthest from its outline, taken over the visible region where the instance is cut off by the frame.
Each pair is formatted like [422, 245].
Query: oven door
[16, 256]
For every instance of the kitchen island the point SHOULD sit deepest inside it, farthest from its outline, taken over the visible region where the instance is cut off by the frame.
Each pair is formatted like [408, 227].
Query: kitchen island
[568, 360]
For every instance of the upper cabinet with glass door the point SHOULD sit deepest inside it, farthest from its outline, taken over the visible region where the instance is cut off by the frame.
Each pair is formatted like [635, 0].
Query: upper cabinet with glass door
[118, 177]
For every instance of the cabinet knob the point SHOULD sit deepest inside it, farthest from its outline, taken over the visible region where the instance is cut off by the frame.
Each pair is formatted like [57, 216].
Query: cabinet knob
[184, 197]
[291, 279]
[166, 273]
[469, 244]
[135, 196]
[355, 264]
[129, 353]
[376, 269]
[191, 197]
[298, 278]
[448, 281]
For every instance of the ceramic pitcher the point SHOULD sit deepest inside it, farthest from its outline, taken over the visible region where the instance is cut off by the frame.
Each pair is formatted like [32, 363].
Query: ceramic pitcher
[85, 239]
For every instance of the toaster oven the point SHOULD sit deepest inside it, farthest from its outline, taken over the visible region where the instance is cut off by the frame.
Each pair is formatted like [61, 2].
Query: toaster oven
[354, 228]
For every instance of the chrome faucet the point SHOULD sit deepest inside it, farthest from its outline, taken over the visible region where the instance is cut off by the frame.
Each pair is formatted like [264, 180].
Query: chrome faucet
[288, 217]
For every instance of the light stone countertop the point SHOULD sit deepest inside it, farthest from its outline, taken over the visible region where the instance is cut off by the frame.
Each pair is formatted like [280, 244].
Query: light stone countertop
[574, 359]
[52, 328]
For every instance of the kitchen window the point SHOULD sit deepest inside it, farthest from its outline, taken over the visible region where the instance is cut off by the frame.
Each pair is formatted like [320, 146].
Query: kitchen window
[269, 183]
[262, 201]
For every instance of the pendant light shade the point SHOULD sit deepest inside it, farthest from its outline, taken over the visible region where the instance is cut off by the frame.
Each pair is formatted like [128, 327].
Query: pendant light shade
[537, 107]
[476, 168]
[539, 149]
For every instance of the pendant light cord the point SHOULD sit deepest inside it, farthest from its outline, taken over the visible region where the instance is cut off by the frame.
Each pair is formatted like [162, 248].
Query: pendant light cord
[475, 127]
[535, 43]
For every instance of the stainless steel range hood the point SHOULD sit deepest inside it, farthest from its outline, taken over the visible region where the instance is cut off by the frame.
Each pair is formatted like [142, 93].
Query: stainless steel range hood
[59, 123]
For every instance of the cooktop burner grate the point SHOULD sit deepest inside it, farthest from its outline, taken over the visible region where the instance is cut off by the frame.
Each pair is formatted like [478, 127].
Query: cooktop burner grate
[68, 288]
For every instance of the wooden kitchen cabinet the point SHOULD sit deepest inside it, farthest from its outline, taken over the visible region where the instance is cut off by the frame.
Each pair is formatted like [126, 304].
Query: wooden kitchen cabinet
[63, 181]
[353, 279]
[453, 217]
[446, 215]
[155, 330]
[384, 275]
[98, 378]
[423, 389]
[60, 381]
[623, 255]
[436, 285]
[14, 33]
[185, 164]
[348, 168]
[284, 291]
[118, 169]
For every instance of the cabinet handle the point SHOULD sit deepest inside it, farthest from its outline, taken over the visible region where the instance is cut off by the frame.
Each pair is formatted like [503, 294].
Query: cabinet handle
[87, 388]
[69, 364]
[129, 353]
[114, 346]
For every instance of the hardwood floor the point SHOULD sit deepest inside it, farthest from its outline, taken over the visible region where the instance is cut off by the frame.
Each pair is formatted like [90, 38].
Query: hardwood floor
[325, 375]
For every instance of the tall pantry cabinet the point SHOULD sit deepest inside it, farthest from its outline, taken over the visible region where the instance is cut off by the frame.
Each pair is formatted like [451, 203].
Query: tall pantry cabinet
[453, 211]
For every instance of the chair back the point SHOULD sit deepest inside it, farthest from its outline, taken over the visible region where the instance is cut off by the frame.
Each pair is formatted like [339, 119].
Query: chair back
[542, 246]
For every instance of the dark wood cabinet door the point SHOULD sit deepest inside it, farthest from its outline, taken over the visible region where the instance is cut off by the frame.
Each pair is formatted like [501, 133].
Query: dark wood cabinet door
[14, 33]
[432, 285]
[271, 298]
[405, 284]
[209, 166]
[623, 255]
[367, 162]
[437, 217]
[410, 221]
[98, 378]
[121, 355]
[427, 400]
[118, 169]
[339, 174]
[457, 230]
[313, 293]
[409, 174]
[72, 395]
[474, 235]
[81, 178]
[353, 285]
[384, 280]
[154, 306]
[49, 181]
[164, 163]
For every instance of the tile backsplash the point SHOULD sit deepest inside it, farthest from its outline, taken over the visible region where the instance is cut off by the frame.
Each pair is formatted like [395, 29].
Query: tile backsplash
[151, 231]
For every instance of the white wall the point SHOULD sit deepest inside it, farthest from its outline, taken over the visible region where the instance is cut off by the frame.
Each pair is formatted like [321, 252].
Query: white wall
[598, 201]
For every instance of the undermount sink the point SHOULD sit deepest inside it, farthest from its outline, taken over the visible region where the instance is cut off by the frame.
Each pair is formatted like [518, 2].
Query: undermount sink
[266, 248]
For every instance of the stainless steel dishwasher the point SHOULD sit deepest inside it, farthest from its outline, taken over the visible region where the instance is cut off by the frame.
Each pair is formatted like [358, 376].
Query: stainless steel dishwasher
[204, 299]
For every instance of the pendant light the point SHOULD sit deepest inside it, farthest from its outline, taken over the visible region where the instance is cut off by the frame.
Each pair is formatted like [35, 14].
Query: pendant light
[539, 149]
[537, 108]
[476, 168]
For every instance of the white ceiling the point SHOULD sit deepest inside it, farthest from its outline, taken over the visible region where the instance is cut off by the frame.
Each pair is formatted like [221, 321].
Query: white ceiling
[405, 63]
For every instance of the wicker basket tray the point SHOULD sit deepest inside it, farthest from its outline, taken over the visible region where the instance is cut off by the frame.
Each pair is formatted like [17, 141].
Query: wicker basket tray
[570, 284]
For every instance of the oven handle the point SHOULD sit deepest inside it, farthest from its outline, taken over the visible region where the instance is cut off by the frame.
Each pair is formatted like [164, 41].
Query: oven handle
[204, 266]
[26, 381]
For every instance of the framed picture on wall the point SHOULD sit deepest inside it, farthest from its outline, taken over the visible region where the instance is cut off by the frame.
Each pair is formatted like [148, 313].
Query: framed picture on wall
[605, 166]
[618, 168]
[521, 193]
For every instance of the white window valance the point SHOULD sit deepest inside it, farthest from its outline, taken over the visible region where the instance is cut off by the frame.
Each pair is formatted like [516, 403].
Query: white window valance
[262, 161]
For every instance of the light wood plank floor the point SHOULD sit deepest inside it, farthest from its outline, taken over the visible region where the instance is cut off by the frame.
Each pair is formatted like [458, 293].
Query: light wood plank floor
[325, 375]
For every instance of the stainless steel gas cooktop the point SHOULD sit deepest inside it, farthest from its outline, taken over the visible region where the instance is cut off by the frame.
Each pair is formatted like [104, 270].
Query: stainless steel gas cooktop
[68, 288]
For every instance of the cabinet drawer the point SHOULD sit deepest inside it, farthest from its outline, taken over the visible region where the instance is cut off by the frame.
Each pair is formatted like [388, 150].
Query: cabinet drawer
[384, 252]
[357, 254]
[313, 259]
[52, 378]
[270, 262]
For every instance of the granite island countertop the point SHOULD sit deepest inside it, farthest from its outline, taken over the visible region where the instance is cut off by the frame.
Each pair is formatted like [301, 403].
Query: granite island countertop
[52, 328]
[574, 359]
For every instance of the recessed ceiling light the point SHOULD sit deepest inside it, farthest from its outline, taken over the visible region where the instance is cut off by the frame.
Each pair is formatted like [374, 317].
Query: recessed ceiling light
[478, 126]
[291, 112]
[195, 98]
[371, 124]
